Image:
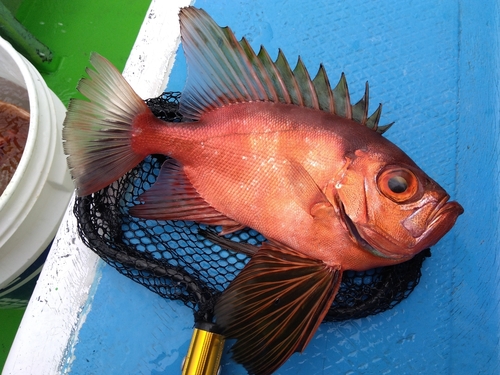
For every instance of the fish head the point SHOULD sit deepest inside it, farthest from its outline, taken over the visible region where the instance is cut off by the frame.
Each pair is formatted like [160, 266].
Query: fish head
[392, 208]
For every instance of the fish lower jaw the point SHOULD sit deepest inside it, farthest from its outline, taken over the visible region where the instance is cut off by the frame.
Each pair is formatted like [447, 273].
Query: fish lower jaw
[362, 258]
[385, 247]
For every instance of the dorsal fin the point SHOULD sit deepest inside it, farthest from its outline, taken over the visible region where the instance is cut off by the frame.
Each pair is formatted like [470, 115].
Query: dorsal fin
[222, 71]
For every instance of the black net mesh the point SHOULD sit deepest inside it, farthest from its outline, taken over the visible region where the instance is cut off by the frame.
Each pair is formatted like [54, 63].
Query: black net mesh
[176, 260]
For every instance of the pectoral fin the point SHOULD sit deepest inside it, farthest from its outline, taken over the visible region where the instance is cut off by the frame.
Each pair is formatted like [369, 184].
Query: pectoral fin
[274, 306]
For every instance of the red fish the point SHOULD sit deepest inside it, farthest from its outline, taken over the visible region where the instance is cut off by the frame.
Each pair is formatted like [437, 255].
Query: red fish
[268, 148]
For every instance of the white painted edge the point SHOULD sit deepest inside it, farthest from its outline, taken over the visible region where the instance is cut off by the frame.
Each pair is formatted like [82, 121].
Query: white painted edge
[54, 308]
[152, 58]
[63, 294]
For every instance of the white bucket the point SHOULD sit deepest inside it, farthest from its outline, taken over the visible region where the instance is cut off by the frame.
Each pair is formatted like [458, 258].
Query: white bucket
[33, 203]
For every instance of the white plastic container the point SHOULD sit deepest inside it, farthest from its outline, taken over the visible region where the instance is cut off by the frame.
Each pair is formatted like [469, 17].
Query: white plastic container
[34, 201]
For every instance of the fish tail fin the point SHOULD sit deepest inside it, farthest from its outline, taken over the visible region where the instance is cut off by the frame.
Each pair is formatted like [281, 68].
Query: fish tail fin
[275, 305]
[97, 133]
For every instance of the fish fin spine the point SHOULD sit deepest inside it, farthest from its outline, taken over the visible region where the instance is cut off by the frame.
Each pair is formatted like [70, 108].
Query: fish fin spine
[98, 132]
[223, 70]
[226, 243]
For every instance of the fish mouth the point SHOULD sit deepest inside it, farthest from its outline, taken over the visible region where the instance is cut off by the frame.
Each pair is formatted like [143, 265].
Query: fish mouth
[444, 208]
[440, 220]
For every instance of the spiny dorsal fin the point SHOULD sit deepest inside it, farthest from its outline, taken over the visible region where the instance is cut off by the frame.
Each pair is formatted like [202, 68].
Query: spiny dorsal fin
[222, 71]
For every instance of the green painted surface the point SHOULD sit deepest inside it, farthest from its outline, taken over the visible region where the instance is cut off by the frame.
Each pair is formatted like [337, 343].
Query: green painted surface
[12, 5]
[72, 30]
[9, 322]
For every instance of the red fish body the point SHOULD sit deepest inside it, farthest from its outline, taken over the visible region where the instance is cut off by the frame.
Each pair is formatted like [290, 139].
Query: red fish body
[271, 149]
[257, 154]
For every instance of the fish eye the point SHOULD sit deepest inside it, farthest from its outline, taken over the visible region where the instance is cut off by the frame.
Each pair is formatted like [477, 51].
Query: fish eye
[398, 184]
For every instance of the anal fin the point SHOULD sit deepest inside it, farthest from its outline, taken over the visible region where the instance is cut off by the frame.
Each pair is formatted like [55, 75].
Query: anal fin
[173, 197]
[274, 306]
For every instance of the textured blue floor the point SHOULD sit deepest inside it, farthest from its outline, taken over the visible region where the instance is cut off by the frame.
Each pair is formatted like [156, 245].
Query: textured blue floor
[435, 67]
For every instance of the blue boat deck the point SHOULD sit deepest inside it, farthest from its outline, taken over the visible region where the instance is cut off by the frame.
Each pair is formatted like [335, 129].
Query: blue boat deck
[435, 67]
